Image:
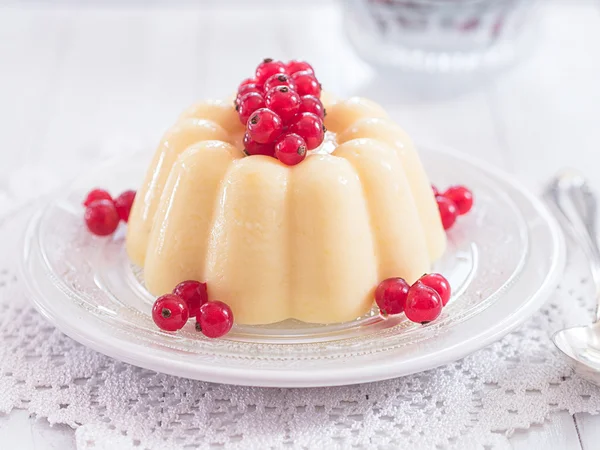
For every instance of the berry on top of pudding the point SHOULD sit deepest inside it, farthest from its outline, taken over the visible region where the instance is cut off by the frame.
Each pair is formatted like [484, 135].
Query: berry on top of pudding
[278, 106]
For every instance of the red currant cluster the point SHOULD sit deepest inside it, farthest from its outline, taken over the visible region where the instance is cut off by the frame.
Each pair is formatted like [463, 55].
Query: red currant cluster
[422, 302]
[281, 110]
[103, 213]
[190, 299]
[455, 201]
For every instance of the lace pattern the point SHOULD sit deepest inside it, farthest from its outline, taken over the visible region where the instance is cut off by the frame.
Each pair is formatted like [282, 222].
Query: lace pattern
[482, 399]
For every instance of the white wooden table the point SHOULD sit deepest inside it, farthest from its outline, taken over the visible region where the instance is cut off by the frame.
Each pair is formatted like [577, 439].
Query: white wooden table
[75, 81]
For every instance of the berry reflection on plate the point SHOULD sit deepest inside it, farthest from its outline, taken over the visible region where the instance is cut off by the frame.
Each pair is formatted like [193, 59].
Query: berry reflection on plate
[287, 204]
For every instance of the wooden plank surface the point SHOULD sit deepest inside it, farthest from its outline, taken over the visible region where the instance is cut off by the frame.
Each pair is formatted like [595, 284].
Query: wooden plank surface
[558, 432]
[588, 428]
[21, 431]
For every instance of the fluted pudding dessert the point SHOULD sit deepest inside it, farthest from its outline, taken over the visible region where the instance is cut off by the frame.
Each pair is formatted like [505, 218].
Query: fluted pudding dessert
[309, 241]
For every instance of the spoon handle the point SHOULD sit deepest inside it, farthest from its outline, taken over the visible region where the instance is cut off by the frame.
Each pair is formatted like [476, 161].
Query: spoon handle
[576, 210]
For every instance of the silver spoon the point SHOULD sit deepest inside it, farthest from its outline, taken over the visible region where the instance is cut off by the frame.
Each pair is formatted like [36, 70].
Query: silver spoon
[576, 208]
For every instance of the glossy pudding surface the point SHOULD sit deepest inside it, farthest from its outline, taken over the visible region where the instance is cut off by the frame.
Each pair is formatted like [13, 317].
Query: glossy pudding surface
[310, 241]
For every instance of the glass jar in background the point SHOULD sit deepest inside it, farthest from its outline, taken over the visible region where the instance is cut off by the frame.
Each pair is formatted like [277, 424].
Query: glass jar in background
[440, 35]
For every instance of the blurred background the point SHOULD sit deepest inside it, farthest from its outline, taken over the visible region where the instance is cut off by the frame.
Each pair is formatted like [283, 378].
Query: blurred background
[512, 82]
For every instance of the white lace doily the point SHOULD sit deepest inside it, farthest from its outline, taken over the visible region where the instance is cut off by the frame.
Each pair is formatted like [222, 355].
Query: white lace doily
[478, 401]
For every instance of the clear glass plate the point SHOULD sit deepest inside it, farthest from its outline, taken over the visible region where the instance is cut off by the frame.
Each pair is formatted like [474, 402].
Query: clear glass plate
[502, 260]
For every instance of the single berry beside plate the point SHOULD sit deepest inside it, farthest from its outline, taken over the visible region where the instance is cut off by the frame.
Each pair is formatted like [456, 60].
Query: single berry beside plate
[101, 217]
[462, 198]
[193, 293]
[391, 295]
[423, 304]
[123, 203]
[170, 312]
[448, 211]
[214, 320]
[439, 284]
[96, 194]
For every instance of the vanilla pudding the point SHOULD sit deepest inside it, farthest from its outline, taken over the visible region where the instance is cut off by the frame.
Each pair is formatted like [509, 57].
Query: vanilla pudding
[310, 241]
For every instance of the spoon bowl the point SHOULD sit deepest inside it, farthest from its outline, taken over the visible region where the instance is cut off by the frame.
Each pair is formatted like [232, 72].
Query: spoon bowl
[580, 346]
[575, 207]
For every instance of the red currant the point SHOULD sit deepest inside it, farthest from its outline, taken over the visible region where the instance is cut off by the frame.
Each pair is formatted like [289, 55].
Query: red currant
[448, 211]
[170, 312]
[267, 68]
[279, 79]
[249, 103]
[306, 84]
[299, 66]
[96, 194]
[264, 126]
[312, 104]
[254, 148]
[248, 81]
[423, 304]
[309, 127]
[193, 293]
[101, 217]
[290, 149]
[390, 295]
[435, 190]
[462, 198]
[246, 88]
[123, 203]
[284, 101]
[439, 284]
[214, 320]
